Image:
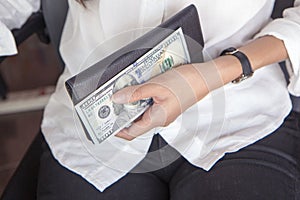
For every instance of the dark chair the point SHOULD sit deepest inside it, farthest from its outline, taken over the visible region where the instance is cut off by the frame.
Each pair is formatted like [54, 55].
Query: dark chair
[35, 24]
[48, 23]
[23, 183]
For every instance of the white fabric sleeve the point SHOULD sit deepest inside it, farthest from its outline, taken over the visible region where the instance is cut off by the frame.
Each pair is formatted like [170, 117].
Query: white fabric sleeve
[287, 29]
[13, 14]
[7, 41]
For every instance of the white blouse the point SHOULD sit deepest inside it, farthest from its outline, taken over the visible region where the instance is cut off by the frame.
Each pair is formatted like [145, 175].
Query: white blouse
[13, 14]
[226, 120]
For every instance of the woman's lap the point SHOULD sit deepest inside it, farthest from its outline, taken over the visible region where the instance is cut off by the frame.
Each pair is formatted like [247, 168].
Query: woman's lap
[237, 178]
[268, 169]
[57, 182]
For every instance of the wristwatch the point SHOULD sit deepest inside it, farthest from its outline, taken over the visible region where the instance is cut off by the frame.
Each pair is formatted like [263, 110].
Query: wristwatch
[246, 66]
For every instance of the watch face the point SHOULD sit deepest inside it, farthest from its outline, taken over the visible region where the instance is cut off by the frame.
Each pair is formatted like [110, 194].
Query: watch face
[241, 78]
[229, 51]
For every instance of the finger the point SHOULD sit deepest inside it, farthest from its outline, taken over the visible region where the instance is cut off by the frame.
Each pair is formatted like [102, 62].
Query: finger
[155, 116]
[133, 93]
[123, 134]
[133, 131]
[137, 128]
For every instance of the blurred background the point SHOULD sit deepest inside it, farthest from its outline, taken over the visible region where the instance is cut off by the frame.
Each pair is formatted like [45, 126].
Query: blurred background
[30, 77]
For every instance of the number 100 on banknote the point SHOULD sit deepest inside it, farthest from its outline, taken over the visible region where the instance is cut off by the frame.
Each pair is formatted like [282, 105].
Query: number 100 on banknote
[101, 117]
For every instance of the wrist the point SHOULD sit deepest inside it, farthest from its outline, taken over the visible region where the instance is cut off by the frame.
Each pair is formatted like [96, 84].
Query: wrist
[229, 68]
[195, 79]
[208, 76]
[244, 61]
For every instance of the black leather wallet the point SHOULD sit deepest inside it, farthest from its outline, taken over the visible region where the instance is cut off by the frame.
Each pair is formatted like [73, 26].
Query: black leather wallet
[87, 81]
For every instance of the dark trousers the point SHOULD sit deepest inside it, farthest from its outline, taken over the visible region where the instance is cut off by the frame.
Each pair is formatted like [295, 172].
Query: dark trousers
[268, 169]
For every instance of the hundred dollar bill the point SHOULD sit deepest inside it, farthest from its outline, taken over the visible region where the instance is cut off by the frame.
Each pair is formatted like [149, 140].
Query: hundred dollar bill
[101, 117]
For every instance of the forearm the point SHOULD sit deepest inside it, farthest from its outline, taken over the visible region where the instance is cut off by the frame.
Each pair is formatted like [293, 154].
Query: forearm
[261, 52]
[222, 70]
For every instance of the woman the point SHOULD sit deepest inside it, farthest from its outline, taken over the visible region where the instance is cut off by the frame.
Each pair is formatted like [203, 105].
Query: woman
[197, 115]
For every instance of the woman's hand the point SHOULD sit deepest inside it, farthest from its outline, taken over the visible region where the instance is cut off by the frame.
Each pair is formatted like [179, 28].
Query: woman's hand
[176, 90]
[172, 93]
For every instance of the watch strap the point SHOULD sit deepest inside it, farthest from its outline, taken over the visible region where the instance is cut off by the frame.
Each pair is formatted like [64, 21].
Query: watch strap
[246, 66]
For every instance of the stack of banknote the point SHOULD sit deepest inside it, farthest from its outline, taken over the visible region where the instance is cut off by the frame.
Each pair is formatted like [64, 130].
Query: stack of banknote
[101, 117]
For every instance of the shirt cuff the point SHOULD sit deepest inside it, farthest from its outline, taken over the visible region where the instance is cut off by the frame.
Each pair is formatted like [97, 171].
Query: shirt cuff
[287, 29]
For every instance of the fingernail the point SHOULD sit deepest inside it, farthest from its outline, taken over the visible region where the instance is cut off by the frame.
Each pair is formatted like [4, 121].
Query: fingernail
[119, 98]
[122, 135]
[119, 135]
[125, 135]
